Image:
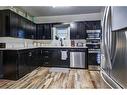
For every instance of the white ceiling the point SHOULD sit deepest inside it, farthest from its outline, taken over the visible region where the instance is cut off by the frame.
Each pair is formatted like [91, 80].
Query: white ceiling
[38, 11]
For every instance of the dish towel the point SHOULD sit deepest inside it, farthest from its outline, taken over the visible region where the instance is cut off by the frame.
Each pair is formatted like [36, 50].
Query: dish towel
[63, 55]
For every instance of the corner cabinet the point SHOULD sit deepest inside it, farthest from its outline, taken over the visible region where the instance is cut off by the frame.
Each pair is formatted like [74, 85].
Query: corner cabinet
[14, 25]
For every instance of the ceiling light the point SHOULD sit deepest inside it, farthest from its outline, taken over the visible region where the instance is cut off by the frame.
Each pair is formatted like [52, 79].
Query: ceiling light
[59, 6]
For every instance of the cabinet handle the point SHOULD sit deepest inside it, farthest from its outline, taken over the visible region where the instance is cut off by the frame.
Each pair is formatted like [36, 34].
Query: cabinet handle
[46, 63]
[30, 54]
[46, 56]
[46, 51]
[41, 51]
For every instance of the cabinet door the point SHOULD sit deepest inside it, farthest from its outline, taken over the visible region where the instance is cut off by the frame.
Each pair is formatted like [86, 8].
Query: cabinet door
[2, 25]
[73, 30]
[33, 30]
[35, 58]
[22, 64]
[63, 62]
[39, 31]
[10, 65]
[39, 57]
[30, 61]
[44, 31]
[6, 23]
[47, 31]
[77, 30]
[22, 28]
[1, 64]
[14, 24]
[81, 33]
[26, 56]
[55, 58]
[93, 25]
[27, 30]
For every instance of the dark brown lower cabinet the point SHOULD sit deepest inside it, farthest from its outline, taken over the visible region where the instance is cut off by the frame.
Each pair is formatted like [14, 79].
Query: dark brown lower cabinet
[10, 68]
[1, 64]
[52, 57]
[17, 63]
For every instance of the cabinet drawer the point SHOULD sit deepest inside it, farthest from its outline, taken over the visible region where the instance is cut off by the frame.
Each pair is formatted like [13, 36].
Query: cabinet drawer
[46, 52]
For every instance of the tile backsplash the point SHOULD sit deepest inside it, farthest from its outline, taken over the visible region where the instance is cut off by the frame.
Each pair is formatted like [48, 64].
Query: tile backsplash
[19, 42]
[14, 42]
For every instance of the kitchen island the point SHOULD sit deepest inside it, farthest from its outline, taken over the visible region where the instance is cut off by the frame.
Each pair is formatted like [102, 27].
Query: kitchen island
[18, 62]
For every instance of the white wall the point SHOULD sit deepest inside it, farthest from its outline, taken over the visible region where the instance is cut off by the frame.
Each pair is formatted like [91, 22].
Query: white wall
[69, 18]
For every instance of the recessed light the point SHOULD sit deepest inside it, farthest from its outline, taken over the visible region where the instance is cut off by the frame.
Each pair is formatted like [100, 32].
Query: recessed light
[60, 6]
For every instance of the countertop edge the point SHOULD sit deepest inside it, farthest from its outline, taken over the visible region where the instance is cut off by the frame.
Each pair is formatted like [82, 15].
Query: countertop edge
[42, 47]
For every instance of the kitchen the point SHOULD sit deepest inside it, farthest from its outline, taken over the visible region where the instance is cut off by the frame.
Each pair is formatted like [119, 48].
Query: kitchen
[58, 47]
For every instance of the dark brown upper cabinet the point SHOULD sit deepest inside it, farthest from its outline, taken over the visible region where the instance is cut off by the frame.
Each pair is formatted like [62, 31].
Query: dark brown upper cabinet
[14, 25]
[44, 30]
[77, 30]
[93, 25]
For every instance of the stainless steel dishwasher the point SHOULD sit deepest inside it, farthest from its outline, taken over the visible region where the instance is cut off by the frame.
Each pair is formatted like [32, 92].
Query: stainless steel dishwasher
[77, 59]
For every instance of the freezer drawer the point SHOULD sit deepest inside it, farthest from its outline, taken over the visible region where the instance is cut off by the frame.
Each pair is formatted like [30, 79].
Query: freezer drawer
[77, 59]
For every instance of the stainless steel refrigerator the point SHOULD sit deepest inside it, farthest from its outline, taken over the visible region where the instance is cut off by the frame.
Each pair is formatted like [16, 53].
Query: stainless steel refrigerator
[114, 46]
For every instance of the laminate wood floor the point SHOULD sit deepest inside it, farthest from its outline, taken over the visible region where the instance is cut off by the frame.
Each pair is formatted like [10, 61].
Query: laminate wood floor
[45, 78]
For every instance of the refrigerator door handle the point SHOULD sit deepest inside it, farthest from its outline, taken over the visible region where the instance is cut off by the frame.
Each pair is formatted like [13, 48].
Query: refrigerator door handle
[106, 37]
